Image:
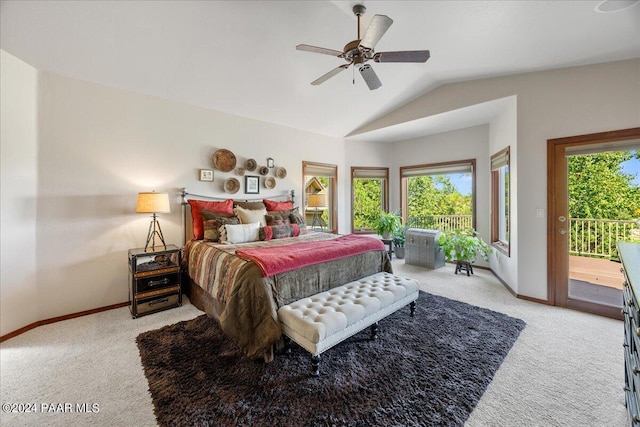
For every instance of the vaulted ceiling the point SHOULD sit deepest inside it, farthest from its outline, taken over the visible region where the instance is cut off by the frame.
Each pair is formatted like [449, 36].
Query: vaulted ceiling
[239, 57]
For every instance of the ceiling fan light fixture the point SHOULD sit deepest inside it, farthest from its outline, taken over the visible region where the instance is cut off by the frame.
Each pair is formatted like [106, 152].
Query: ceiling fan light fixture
[358, 52]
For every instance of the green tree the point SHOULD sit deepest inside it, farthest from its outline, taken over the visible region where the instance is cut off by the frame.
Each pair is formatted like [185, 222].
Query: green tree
[436, 195]
[367, 202]
[600, 189]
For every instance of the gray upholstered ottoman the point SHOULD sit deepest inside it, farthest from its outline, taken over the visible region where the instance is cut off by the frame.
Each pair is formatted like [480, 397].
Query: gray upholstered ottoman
[323, 320]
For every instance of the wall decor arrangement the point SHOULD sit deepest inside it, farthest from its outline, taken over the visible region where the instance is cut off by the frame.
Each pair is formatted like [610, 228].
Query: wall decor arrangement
[206, 174]
[281, 172]
[270, 182]
[251, 184]
[250, 165]
[231, 185]
[224, 160]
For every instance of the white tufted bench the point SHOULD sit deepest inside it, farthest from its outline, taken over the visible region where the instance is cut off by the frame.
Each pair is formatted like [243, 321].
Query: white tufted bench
[321, 321]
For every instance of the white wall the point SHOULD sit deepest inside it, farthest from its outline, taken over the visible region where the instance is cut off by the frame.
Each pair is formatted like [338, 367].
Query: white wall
[97, 148]
[551, 104]
[18, 193]
[503, 133]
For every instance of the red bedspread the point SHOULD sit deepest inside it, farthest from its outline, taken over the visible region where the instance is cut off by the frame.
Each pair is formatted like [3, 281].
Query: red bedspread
[285, 258]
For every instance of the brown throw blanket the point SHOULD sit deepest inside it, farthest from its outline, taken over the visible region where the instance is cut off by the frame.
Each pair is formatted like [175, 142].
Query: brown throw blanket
[281, 259]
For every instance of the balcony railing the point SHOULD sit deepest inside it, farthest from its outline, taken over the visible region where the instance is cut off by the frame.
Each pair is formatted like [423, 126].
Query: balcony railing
[440, 222]
[588, 237]
[597, 238]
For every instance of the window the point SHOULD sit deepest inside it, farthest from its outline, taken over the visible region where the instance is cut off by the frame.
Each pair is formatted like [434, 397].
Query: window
[500, 200]
[369, 195]
[320, 201]
[439, 196]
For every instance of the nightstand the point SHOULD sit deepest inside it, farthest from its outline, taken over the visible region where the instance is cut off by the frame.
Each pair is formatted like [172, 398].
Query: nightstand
[154, 280]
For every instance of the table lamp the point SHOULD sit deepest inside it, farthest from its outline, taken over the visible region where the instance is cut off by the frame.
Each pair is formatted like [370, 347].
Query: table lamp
[153, 203]
[317, 200]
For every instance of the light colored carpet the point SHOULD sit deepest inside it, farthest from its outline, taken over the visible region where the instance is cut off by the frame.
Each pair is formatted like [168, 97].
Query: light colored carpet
[566, 369]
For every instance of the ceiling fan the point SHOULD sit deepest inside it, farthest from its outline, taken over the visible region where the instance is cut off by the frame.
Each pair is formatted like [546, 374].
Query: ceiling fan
[358, 52]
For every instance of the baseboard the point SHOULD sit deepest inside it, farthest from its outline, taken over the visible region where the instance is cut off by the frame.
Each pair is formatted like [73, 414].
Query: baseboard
[538, 300]
[59, 319]
[515, 294]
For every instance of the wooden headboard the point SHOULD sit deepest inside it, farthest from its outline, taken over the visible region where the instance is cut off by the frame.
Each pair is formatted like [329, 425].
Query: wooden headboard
[187, 221]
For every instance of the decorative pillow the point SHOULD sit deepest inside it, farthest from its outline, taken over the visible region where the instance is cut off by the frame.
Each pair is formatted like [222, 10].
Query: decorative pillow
[248, 216]
[240, 233]
[279, 231]
[273, 205]
[213, 221]
[274, 218]
[250, 205]
[197, 206]
[296, 217]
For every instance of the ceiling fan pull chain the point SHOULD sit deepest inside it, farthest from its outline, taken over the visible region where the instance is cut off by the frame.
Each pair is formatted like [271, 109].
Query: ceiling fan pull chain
[353, 69]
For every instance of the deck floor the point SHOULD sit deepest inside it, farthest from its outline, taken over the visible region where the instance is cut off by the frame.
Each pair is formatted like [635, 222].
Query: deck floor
[595, 280]
[597, 271]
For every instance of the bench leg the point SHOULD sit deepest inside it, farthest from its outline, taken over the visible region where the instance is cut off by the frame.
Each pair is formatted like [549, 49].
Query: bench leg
[315, 366]
[412, 308]
[287, 344]
[374, 331]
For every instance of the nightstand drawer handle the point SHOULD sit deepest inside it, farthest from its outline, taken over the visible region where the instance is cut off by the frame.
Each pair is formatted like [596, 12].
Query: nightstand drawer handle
[161, 282]
[160, 301]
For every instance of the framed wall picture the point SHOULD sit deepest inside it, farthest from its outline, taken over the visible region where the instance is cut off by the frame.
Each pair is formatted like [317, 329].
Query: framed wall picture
[206, 174]
[251, 184]
[269, 162]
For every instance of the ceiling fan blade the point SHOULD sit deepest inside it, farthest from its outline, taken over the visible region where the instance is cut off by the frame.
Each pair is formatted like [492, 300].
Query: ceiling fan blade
[378, 26]
[315, 49]
[330, 74]
[402, 56]
[370, 77]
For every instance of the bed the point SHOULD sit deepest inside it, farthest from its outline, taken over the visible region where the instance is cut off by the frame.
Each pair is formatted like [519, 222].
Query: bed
[243, 283]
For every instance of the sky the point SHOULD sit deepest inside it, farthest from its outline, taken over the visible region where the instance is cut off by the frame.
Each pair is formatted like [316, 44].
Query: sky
[463, 181]
[632, 167]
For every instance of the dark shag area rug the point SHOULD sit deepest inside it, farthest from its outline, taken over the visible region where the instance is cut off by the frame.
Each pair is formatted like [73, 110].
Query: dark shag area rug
[423, 371]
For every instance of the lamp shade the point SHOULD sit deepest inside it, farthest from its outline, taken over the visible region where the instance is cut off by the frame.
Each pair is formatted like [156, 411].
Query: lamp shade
[153, 203]
[317, 200]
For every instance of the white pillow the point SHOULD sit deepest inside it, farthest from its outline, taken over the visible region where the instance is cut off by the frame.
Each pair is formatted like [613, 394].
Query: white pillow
[249, 216]
[239, 233]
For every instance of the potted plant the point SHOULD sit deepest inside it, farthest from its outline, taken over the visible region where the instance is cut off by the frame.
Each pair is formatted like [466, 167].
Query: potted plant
[463, 247]
[386, 224]
[398, 242]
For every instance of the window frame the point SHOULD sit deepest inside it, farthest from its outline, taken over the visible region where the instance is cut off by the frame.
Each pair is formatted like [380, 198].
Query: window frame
[332, 202]
[385, 193]
[498, 161]
[435, 166]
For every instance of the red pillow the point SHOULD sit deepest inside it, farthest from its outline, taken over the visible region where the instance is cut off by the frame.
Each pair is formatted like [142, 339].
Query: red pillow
[273, 205]
[197, 206]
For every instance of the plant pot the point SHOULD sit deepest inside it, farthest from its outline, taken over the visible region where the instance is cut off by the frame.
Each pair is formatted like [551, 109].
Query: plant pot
[386, 235]
[399, 252]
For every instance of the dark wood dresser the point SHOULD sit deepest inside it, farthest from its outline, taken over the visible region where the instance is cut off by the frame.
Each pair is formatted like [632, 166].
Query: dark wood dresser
[630, 256]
